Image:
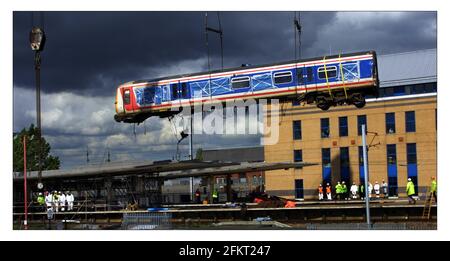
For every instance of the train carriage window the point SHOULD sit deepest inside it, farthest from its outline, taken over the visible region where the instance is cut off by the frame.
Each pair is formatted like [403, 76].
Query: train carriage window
[282, 77]
[300, 78]
[240, 82]
[309, 74]
[174, 91]
[184, 90]
[126, 97]
[331, 72]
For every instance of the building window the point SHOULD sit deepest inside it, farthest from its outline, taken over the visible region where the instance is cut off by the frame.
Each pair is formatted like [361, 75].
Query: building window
[298, 156]
[343, 127]
[242, 178]
[411, 160]
[326, 165]
[411, 153]
[325, 127]
[390, 122]
[410, 120]
[282, 77]
[361, 164]
[345, 164]
[220, 180]
[391, 157]
[362, 119]
[331, 72]
[240, 82]
[297, 129]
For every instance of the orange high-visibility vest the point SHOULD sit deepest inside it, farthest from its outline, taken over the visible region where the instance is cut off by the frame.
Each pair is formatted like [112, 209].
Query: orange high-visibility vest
[328, 189]
[290, 204]
[320, 190]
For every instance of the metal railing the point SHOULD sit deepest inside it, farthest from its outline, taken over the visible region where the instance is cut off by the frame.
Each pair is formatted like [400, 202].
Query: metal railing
[375, 226]
[145, 221]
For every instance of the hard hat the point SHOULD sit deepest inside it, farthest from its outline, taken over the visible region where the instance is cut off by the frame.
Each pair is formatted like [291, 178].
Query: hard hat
[40, 193]
[409, 179]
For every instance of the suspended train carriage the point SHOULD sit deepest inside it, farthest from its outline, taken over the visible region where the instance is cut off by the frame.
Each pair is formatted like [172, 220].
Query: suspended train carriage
[324, 81]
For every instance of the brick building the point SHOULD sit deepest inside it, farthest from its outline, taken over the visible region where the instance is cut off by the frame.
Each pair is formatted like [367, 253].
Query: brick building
[401, 125]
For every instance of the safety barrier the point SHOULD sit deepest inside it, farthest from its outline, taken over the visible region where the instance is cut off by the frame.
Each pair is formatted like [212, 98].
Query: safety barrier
[145, 221]
[375, 226]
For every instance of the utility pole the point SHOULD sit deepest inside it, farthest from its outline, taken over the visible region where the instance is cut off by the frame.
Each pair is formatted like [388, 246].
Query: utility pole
[191, 153]
[25, 221]
[37, 42]
[366, 175]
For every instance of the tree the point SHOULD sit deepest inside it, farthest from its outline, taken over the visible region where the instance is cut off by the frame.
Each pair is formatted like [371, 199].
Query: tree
[48, 161]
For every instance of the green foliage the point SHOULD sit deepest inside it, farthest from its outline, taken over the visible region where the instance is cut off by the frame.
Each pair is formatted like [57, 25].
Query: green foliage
[48, 161]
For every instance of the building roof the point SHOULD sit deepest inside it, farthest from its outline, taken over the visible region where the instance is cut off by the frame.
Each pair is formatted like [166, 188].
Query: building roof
[407, 68]
[245, 154]
[165, 170]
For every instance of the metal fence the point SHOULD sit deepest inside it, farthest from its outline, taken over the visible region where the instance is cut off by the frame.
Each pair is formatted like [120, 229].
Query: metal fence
[148, 220]
[375, 226]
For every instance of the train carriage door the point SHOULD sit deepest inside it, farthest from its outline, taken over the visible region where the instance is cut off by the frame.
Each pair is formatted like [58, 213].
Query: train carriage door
[127, 99]
[301, 80]
[310, 79]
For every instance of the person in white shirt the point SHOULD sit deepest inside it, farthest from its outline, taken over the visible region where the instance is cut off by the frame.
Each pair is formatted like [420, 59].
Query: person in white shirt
[48, 200]
[55, 201]
[354, 190]
[376, 188]
[370, 190]
[384, 187]
[62, 201]
[69, 199]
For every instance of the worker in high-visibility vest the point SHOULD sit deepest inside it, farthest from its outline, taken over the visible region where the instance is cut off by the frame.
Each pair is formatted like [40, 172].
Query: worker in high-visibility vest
[361, 191]
[215, 196]
[320, 190]
[410, 191]
[433, 189]
[338, 189]
[344, 190]
[41, 201]
[328, 191]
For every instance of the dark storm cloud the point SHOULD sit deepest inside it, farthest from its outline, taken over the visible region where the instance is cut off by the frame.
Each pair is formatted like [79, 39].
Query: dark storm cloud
[99, 50]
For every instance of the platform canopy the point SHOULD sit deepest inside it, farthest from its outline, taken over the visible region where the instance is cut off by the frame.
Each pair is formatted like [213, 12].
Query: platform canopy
[163, 169]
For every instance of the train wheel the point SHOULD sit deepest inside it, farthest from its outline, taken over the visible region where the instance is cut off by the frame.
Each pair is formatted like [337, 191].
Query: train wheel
[358, 100]
[322, 103]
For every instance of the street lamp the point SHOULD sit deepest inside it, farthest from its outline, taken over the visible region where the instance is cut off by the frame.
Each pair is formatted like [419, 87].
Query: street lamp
[37, 43]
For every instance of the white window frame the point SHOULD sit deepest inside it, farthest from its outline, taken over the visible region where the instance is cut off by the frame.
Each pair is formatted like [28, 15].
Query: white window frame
[240, 79]
[329, 68]
[282, 74]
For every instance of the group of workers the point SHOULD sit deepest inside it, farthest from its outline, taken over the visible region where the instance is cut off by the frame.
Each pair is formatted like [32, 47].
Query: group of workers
[56, 200]
[342, 193]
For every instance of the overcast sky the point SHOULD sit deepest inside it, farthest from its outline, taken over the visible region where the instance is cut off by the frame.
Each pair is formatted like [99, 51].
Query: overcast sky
[88, 54]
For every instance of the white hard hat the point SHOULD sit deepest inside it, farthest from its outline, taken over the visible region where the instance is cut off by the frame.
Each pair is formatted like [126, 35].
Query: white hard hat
[409, 179]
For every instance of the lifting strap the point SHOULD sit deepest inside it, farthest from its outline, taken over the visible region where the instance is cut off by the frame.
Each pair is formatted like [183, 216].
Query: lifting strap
[342, 75]
[326, 77]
